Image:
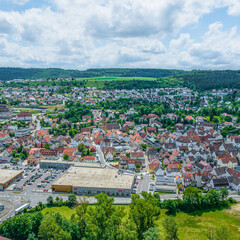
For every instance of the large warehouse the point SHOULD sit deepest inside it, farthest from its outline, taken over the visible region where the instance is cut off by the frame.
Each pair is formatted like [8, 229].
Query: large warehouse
[91, 181]
[7, 176]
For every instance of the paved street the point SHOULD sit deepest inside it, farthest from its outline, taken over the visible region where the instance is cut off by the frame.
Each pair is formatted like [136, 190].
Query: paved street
[143, 184]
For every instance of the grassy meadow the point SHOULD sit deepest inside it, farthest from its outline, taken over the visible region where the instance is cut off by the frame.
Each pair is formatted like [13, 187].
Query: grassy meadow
[190, 226]
[98, 82]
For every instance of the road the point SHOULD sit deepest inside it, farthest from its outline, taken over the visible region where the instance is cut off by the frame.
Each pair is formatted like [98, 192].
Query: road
[18, 199]
[101, 156]
[38, 125]
[102, 159]
[143, 184]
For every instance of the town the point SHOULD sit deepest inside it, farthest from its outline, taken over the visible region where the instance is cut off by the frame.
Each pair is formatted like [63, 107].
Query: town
[47, 148]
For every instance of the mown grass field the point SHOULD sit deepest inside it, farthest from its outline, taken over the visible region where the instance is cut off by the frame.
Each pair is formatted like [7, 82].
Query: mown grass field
[191, 226]
[98, 82]
[115, 78]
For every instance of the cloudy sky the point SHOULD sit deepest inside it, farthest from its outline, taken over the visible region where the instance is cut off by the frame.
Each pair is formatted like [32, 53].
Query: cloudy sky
[81, 34]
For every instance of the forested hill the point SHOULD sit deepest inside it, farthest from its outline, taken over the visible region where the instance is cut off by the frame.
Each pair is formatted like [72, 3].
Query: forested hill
[196, 79]
[45, 73]
[205, 80]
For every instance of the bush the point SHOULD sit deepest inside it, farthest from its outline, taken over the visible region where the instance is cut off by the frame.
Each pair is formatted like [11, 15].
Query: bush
[231, 200]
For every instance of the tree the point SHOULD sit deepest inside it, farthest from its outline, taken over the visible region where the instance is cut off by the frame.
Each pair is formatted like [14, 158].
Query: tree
[215, 119]
[72, 200]
[81, 217]
[81, 147]
[50, 201]
[32, 236]
[105, 219]
[11, 134]
[151, 234]
[19, 149]
[65, 157]
[170, 206]
[224, 193]
[57, 199]
[36, 219]
[72, 132]
[50, 229]
[143, 211]
[18, 227]
[138, 165]
[47, 146]
[170, 228]
[228, 119]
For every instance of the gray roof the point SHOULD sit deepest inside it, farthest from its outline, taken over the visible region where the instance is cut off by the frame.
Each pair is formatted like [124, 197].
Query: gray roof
[236, 181]
[220, 170]
[220, 182]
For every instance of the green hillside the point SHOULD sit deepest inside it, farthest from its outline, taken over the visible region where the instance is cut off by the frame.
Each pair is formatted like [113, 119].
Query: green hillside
[35, 73]
[126, 78]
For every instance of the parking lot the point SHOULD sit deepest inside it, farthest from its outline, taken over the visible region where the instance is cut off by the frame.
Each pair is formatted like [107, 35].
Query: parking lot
[7, 208]
[35, 179]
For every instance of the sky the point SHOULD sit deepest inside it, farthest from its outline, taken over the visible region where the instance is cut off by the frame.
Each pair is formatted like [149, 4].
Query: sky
[83, 34]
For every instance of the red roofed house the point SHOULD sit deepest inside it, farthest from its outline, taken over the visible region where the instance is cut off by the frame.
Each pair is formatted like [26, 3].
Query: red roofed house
[93, 149]
[230, 162]
[151, 130]
[24, 116]
[152, 165]
[189, 118]
[138, 156]
[3, 136]
[88, 159]
[98, 137]
[70, 152]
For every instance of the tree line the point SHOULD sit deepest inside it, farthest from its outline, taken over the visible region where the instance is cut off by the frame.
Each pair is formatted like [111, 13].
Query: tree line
[104, 221]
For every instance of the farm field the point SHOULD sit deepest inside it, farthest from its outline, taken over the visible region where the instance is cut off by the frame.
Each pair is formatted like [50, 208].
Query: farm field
[190, 226]
[98, 82]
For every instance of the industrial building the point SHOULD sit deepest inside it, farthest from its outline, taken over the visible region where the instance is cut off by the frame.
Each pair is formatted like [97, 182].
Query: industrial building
[63, 165]
[57, 164]
[91, 181]
[7, 176]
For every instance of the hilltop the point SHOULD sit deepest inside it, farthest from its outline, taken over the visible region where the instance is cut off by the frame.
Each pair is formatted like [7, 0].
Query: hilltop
[127, 78]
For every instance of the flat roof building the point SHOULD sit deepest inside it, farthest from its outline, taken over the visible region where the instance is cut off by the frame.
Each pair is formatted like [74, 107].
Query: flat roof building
[7, 176]
[91, 181]
[63, 165]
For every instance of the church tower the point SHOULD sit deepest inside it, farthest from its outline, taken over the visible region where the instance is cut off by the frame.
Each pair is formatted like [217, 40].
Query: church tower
[199, 178]
[104, 123]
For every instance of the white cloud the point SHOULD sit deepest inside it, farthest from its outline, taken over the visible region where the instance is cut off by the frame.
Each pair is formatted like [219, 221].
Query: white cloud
[109, 33]
[233, 7]
[20, 2]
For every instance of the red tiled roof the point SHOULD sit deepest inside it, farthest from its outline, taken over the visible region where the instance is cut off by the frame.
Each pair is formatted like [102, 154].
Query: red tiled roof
[24, 114]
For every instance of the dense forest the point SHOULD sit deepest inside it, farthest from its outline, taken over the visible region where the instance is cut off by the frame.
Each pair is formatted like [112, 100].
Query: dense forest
[196, 79]
[205, 80]
[143, 84]
[36, 73]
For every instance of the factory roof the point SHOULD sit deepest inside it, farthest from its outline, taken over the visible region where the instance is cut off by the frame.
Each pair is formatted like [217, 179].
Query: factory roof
[95, 178]
[7, 175]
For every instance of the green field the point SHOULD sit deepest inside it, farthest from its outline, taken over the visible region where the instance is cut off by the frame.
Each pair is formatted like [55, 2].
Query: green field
[116, 78]
[65, 211]
[191, 226]
[98, 82]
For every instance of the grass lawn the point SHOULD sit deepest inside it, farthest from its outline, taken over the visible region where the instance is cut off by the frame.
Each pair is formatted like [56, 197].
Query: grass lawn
[68, 212]
[98, 82]
[28, 110]
[194, 227]
[64, 211]
[115, 78]
[191, 226]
